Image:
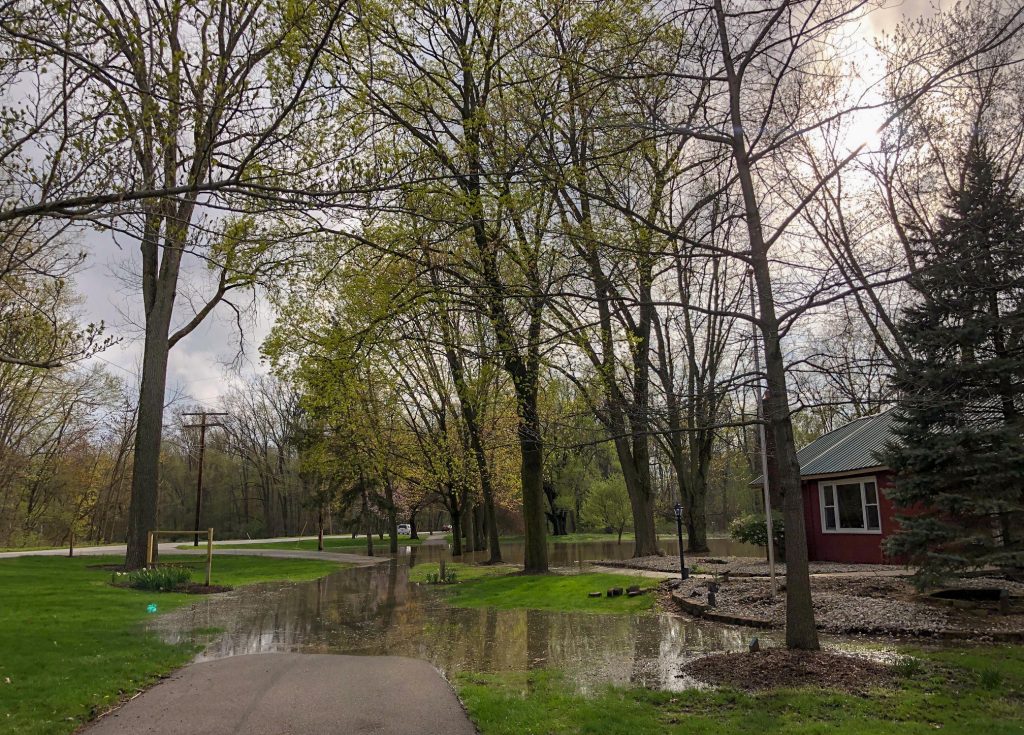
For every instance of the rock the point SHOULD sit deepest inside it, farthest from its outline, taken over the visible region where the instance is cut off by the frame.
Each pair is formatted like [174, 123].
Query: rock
[755, 645]
[1004, 602]
[615, 592]
[593, 594]
[634, 592]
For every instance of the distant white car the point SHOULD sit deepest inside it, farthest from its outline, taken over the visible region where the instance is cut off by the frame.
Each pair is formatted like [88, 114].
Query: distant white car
[404, 529]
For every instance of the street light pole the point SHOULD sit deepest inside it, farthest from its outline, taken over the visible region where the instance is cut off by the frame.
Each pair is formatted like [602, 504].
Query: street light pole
[684, 573]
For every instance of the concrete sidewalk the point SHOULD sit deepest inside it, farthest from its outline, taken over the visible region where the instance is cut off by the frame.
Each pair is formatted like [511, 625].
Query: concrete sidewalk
[295, 693]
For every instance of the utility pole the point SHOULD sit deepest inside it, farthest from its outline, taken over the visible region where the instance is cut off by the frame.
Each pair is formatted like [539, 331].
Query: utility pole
[203, 425]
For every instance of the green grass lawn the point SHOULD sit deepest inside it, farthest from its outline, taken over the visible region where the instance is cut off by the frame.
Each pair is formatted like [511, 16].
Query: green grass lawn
[484, 586]
[340, 542]
[71, 644]
[977, 691]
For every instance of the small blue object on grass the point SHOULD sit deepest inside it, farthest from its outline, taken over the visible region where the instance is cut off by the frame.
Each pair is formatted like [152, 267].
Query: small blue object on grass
[151, 607]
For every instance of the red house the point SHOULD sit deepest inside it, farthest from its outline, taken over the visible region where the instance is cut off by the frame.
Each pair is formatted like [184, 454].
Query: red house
[846, 510]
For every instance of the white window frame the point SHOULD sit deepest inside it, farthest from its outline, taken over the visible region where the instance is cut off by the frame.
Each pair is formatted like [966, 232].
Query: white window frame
[862, 481]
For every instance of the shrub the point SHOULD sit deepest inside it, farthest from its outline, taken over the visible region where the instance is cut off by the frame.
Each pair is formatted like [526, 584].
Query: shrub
[752, 529]
[443, 575]
[158, 579]
[908, 667]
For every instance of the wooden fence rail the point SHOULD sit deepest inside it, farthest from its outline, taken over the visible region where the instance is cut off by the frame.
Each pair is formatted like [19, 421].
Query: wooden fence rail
[150, 539]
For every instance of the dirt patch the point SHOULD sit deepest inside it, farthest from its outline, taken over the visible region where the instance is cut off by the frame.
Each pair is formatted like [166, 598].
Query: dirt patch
[778, 667]
[203, 589]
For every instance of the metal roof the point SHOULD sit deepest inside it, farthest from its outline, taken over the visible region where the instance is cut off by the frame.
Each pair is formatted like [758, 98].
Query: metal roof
[848, 448]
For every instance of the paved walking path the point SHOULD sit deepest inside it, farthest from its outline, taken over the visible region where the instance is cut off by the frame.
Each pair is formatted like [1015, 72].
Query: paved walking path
[172, 548]
[295, 694]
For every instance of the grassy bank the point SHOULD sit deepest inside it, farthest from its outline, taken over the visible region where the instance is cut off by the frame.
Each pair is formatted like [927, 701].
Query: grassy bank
[345, 543]
[977, 691]
[71, 644]
[483, 586]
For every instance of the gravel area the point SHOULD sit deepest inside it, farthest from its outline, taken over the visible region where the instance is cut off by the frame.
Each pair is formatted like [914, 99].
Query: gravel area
[885, 605]
[744, 566]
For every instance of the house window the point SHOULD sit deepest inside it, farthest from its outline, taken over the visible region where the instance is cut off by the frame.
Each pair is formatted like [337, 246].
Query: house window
[850, 506]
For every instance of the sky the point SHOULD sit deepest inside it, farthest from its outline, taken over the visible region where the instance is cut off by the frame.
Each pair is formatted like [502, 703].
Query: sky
[201, 366]
[207, 362]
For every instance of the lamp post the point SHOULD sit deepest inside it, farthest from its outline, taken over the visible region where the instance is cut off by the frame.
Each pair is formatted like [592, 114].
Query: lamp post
[684, 573]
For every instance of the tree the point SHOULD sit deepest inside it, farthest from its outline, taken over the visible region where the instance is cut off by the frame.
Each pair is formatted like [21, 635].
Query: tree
[181, 90]
[607, 505]
[440, 82]
[958, 448]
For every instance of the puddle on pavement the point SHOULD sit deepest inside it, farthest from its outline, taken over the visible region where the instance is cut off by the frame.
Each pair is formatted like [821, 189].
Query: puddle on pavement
[376, 611]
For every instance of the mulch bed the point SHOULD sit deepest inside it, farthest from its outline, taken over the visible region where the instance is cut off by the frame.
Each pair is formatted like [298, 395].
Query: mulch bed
[192, 588]
[201, 589]
[778, 667]
[868, 605]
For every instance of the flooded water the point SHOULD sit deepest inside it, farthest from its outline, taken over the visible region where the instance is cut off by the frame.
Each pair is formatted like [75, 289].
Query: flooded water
[577, 554]
[375, 611]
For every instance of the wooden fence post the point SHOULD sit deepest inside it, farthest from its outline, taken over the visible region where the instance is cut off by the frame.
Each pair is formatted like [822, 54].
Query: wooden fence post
[209, 554]
[149, 549]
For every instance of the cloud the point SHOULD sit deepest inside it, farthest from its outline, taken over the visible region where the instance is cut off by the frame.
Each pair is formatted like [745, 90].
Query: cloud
[202, 365]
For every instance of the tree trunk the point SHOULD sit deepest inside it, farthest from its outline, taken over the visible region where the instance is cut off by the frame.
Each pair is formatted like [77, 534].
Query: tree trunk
[801, 632]
[456, 532]
[535, 551]
[412, 526]
[367, 525]
[468, 527]
[641, 499]
[142, 510]
[392, 514]
[474, 528]
[469, 415]
[481, 528]
[696, 518]
[320, 527]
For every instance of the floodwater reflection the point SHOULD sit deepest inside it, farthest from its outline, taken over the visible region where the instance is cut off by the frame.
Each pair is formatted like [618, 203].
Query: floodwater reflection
[375, 611]
[579, 553]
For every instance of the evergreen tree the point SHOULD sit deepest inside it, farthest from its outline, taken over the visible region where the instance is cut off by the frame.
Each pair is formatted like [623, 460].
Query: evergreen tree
[958, 447]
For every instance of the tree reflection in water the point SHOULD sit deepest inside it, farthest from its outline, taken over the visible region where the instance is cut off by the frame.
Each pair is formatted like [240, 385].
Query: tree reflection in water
[376, 611]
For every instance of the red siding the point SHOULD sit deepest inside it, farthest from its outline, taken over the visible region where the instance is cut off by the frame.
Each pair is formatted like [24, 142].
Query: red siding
[852, 548]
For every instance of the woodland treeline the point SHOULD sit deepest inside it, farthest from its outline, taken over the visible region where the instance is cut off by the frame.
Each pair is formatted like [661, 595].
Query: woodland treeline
[519, 255]
[66, 476]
